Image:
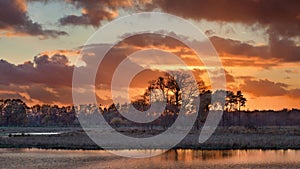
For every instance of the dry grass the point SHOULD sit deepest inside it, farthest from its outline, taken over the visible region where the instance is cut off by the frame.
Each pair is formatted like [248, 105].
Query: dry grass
[224, 138]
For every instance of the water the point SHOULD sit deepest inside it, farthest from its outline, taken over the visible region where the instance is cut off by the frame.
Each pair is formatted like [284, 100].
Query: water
[35, 158]
[34, 134]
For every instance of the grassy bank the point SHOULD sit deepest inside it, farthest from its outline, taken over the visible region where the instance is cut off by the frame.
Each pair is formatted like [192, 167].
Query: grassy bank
[223, 138]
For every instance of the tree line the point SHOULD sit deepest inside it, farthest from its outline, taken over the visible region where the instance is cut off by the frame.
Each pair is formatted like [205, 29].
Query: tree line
[15, 112]
[168, 88]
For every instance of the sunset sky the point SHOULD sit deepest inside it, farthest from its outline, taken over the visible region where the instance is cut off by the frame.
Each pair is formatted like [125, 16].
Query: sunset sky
[258, 42]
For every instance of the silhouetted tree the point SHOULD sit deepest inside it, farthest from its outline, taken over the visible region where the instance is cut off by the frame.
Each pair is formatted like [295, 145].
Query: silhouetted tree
[171, 89]
[1, 109]
[231, 101]
[14, 112]
[240, 99]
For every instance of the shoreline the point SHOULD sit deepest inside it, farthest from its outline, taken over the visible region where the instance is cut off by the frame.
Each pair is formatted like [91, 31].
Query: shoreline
[174, 148]
[225, 138]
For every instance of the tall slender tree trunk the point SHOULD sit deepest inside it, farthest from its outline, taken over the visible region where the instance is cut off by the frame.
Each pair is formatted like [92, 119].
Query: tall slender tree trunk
[177, 98]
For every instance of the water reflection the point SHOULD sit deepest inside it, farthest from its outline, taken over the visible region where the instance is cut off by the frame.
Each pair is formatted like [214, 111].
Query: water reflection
[190, 155]
[182, 158]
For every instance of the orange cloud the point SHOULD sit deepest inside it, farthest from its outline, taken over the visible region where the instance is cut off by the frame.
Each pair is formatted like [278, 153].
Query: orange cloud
[264, 88]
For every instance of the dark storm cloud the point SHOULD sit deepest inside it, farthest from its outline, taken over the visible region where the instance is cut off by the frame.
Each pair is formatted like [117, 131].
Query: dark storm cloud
[280, 20]
[277, 16]
[14, 20]
[241, 53]
[236, 47]
[46, 70]
[74, 20]
[282, 49]
[280, 17]
[48, 79]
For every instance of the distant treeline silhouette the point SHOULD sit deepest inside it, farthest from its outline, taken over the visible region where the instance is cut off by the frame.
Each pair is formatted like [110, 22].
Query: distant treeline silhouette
[15, 112]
